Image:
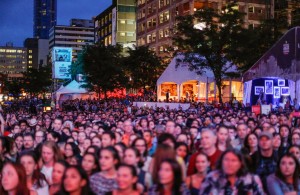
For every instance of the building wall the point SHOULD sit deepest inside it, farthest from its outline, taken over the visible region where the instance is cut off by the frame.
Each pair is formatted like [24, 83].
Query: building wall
[70, 36]
[44, 17]
[13, 60]
[117, 24]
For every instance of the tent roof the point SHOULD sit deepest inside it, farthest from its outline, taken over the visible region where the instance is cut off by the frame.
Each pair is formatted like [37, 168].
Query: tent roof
[281, 60]
[181, 73]
[72, 87]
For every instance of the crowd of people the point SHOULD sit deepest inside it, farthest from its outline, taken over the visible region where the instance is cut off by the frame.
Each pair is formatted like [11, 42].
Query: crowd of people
[112, 147]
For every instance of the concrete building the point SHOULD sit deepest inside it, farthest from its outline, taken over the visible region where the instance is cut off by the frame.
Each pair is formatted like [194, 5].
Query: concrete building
[117, 24]
[44, 17]
[13, 59]
[79, 34]
[37, 52]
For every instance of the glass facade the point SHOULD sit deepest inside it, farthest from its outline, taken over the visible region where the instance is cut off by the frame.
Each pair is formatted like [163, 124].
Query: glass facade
[45, 13]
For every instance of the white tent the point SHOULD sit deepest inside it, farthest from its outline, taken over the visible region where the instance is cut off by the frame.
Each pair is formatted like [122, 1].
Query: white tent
[72, 91]
[180, 81]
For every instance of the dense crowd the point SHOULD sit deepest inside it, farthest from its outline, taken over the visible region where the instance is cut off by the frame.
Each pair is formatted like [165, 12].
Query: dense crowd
[111, 147]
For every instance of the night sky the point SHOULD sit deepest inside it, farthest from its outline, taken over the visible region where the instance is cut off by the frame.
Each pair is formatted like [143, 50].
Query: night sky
[16, 16]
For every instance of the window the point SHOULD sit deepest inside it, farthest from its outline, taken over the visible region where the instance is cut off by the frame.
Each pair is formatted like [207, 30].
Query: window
[122, 34]
[153, 37]
[130, 21]
[251, 9]
[167, 32]
[29, 62]
[161, 34]
[149, 38]
[30, 51]
[122, 21]
[30, 56]
[130, 34]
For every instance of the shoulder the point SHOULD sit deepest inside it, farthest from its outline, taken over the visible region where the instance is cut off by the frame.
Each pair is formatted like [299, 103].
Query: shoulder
[33, 192]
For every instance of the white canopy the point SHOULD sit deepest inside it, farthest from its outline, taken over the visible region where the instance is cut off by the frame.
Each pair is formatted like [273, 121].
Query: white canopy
[72, 88]
[181, 73]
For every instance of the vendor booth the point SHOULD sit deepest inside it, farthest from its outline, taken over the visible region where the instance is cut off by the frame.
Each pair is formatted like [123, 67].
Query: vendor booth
[275, 77]
[73, 91]
[183, 84]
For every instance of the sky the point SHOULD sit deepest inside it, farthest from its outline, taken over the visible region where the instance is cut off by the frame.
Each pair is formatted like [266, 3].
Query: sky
[16, 16]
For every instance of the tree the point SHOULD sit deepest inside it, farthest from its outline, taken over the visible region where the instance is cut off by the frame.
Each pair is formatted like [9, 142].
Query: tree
[143, 66]
[216, 40]
[103, 68]
[77, 66]
[37, 80]
[13, 88]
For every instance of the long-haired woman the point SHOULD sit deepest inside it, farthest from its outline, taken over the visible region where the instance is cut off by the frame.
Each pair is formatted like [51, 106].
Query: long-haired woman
[50, 154]
[105, 180]
[75, 182]
[169, 179]
[202, 166]
[59, 169]
[13, 180]
[127, 181]
[286, 178]
[35, 179]
[231, 177]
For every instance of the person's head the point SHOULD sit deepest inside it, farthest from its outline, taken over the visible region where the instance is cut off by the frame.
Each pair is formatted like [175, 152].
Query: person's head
[295, 150]
[16, 129]
[284, 131]
[148, 136]
[30, 162]
[76, 181]
[120, 147]
[163, 152]
[96, 141]
[53, 136]
[288, 167]
[182, 150]
[167, 138]
[194, 132]
[71, 149]
[4, 145]
[23, 125]
[74, 134]
[108, 139]
[50, 152]
[273, 119]
[28, 141]
[108, 158]
[19, 140]
[81, 137]
[39, 137]
[276, 140]
[93, 150]
[202, 163]
[57, 124]
[251, 141]
[141, 145]
[170, 174]
[265, 126]
[170, 127]
[208, 139]
[90, 163]
[58, 171]
[87, 143]
[128, 127]
[295, 139]
[127, 177]
[232, 163]
[131, 156]
[222, 134]
[242, 130]
[265, 141]
[13, 179]
[182, 137]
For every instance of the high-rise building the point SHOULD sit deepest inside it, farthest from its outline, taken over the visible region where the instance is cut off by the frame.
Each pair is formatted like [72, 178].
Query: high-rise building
[37, 52]
[45, 13]
[117, 24]
[13, 60]
[156, 19]
[72, 36]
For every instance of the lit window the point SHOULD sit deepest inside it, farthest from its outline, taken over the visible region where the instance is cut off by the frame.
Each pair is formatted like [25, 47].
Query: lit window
[30, 56]
[122, 34]
[122, 21]
[29, 62]
[251, 9]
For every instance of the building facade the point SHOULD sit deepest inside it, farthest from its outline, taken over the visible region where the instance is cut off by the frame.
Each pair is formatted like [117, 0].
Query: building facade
[37, 52]
[117, 24]
[72, 36]
[45, 16]
[13, 60]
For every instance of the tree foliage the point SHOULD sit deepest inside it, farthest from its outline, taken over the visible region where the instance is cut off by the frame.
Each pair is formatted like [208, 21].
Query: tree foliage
[219, 40]
[103, 68]
[37, 80]
[143, 67]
